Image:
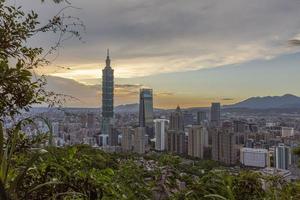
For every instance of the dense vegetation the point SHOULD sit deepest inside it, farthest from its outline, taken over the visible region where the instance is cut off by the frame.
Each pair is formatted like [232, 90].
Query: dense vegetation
[31, 169]
[82, 172]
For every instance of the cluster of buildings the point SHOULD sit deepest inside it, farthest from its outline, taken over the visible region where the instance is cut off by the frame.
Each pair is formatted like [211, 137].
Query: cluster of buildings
[202, 134]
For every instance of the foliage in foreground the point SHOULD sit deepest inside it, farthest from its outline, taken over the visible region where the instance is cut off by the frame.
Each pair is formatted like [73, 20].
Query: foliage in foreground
[31, 171]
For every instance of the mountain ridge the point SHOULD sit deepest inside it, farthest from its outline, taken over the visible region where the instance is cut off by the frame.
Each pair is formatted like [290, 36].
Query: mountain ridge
[267, 102]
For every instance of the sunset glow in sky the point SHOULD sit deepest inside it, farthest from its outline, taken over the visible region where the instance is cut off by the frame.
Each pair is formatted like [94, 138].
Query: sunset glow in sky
[190, 52]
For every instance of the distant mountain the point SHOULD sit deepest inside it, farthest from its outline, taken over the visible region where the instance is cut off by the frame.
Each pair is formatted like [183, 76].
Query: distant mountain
[131, 108]
[285, 101]
[128, 108]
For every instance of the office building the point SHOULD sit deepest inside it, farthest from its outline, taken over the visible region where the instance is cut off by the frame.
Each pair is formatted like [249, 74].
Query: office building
[282, 157]
[127, 139]
[112, 136]
[91, 120]
[240, 126]
[250, 143]
[139, 140]
[146, 110]
[55, 129]
[201, 117]
[215, 114]
[287, 131]
[107, 96]
[103, 140]
[160, 128]
[176, 139]
[254, 157]
[188, 118]
[196, 141]
[224, 147]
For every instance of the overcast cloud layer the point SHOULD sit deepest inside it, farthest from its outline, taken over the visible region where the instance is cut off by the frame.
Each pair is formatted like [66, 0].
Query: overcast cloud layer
[155, 36]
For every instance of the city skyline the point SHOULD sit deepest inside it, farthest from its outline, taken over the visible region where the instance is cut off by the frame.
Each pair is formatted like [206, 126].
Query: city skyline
[217, 63]
[149, 99]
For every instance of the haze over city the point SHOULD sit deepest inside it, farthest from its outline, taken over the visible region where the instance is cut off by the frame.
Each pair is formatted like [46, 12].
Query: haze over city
[189, 53]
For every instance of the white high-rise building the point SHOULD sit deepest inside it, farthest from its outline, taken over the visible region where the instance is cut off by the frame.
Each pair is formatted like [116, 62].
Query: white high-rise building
[287, 131]
[254, 157]
[160, 128]
[103, 140]
[282, 156]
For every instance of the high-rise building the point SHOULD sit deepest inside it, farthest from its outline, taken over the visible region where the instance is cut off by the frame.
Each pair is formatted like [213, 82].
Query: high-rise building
[282, 157]
[91, 120]
[176, 120]
[160, 128]
[201, 117]
[249, 143]
[139, 140]
[112, 136]
[287, 132]
[127, 138]
[215, 114]
[224, 147]
[103, 140]
[254, 157]
[240, 126]
[176, 139]
[196, 141]
[107, 96]
[146, 110]
[188, 118]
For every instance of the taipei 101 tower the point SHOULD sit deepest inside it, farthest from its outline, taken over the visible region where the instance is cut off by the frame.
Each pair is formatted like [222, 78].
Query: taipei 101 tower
[107, 97]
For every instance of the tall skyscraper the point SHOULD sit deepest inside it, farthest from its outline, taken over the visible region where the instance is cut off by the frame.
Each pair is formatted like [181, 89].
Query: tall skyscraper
[146, 110]
[282, 157]
[224, 147]
[176, 140]
[196, 141]
[215, 114]
[107, 96]
[160, 128]
[176, 120]
[201, 117]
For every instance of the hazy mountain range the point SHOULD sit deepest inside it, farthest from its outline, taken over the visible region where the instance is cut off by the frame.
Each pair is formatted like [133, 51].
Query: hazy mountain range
[285, 101]
[268, 102]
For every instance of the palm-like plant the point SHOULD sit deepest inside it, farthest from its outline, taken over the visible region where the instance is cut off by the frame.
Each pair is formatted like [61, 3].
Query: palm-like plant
[12, 144]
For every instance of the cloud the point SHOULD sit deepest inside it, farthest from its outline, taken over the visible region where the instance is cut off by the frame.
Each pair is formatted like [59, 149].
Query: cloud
[152, 37]
[227, 99]
[294, 42]
[164, 94]
[90, 95]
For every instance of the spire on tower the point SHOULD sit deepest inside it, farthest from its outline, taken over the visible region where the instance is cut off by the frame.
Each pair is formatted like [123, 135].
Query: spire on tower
[107, 59]
[178, 109]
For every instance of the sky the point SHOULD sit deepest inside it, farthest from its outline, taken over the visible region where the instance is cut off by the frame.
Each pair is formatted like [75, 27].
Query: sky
[190, 52]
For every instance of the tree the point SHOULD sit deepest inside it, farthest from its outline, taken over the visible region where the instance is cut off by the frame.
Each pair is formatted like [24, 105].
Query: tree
[20, 87]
